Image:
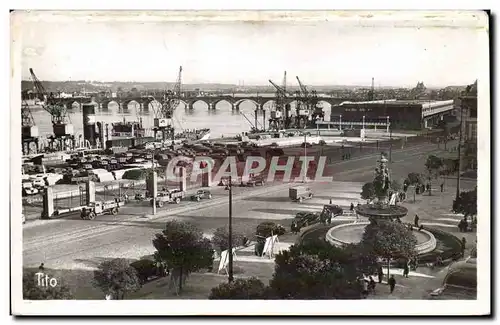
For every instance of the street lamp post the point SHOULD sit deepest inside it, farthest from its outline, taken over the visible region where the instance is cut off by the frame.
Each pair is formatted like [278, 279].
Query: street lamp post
[340, 125]
[230, 232]
[459, 146]
[154, 180]
[305, 158]
[390, 145]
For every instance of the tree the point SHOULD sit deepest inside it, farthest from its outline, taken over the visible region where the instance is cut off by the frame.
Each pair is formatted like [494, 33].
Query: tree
[220, 238]
[184, 249]
[251, 288]
[449, 166]
[389, 240]
[414, 179]
[433, 165]
[116, 277]
[318, 270]
[33, 290]
[466, 203]
[396, 185]
[368, 191]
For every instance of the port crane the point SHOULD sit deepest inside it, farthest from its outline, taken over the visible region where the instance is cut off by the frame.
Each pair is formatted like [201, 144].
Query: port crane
[163, 121]
[280, 116]
[63, 137]
[29, 130]
[304, 106]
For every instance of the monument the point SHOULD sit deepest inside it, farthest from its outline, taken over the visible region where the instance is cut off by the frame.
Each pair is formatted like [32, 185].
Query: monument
[379, 210]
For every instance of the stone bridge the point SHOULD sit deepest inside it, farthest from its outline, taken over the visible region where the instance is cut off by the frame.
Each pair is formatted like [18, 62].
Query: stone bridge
[211, 101]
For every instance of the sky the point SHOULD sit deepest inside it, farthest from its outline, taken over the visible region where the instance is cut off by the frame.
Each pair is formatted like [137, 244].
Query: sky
[396, 52]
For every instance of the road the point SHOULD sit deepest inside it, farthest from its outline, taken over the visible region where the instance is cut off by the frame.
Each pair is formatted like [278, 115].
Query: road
[74, 243]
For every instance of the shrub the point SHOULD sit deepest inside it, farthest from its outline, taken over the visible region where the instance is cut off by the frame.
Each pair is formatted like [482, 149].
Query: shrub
[33, 291]
[221, 238]
[145, 269]
[251, 288]
[265, 229]
[116, 277]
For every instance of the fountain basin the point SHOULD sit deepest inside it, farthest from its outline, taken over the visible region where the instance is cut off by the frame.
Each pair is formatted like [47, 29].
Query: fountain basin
[352, 233]
[385, 212]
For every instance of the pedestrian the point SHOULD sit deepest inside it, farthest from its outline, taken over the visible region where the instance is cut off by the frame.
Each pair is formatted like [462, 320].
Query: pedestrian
[380, 274]
[371, 285]
[406, 269]
[392, 283]
[416, 220]
[441, 186]
[352, 207]
[331, 202]
[41, 267]
[365, 287]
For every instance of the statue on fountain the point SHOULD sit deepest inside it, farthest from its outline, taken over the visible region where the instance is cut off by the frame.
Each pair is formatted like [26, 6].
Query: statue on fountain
[382, 182]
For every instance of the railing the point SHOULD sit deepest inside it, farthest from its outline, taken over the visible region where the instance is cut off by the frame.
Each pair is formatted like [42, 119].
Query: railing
[432, 111]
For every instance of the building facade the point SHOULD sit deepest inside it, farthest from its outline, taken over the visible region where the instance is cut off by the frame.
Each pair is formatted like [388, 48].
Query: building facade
[403, 114]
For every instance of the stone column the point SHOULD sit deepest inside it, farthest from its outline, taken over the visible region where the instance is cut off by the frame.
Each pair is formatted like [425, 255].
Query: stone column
[151, 184]
[206, 177]
[90, 192]
[48, 203]
[183, 179]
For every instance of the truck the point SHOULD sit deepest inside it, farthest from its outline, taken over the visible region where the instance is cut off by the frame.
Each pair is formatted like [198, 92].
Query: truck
[256, 180]
[173, 196]
[94, 209]
[304, 219]
[300, 193]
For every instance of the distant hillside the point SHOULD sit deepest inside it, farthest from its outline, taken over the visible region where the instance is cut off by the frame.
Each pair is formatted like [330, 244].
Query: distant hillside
[79, 85]
[96, 86]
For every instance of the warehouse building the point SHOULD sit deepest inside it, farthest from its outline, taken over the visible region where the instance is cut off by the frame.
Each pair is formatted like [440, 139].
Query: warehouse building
[403, 114]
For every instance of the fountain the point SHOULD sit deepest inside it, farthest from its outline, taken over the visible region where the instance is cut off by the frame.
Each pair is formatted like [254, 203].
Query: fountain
[382, 209]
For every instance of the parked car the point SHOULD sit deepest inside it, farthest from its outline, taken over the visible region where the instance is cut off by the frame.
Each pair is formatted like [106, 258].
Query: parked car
[201, 194]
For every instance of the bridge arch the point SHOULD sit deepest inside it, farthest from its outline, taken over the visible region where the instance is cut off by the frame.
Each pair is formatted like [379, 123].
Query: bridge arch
[152, 104]
[191, 104]
[228, 103]
[183, 102]
[70, 104]
[130, 101]
[269, 104]
[240, 101]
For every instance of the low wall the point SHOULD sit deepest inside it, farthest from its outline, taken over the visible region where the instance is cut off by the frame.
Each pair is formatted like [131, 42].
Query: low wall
[422, 248]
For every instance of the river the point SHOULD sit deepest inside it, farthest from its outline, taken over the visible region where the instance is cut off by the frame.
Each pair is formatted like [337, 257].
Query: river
[221, 121]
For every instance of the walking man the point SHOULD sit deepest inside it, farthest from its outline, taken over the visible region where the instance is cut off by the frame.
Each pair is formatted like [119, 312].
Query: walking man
[406, 269]
[392, 283]
[442, 186]
[416, 220]
[380, 274]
